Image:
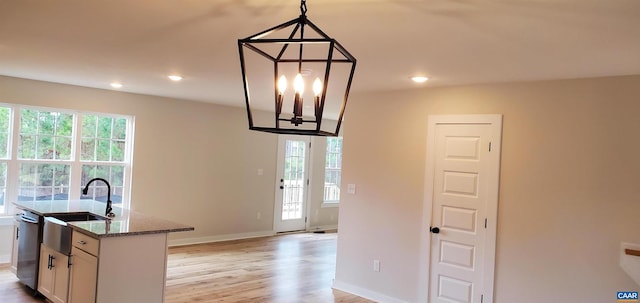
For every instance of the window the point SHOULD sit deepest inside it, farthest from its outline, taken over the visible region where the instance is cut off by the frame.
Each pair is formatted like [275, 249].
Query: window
[5, 127]
[332, 170]
[52, 153]
[103, 155]
[44, 142]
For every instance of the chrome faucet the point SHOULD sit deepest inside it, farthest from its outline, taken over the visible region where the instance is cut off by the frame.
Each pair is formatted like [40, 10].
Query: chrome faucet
[108, 211]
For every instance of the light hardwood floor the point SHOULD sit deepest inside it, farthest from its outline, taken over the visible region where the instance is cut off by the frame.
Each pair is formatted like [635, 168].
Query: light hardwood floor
[285, 268]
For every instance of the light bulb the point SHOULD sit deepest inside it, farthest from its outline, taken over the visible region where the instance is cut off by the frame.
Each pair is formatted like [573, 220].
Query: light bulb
[298, 84]
[419, 79]
[317, 87]
[282, 84]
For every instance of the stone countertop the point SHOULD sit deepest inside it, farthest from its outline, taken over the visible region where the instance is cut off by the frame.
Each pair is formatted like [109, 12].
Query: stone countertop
[125, 223]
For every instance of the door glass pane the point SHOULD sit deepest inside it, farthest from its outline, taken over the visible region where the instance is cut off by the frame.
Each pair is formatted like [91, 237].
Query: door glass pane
[293, 191]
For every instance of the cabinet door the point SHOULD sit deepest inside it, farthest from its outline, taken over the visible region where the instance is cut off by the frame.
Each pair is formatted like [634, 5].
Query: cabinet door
[60, 278]
[45, 274]
[84, 275]
[14, 252]
[53, 277]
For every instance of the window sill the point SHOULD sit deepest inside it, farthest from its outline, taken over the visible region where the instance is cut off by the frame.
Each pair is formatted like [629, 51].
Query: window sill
[330, 204]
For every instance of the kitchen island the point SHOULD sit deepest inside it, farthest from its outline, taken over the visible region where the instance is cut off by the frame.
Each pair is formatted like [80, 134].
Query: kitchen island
[122, 259]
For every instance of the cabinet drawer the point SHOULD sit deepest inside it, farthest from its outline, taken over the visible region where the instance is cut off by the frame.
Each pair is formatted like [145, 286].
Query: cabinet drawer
[85, 243]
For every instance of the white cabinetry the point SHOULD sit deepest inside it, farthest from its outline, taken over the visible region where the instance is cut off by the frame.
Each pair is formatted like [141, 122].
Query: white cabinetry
[84, 275]
[123, 269]
[14, 251]
[53, 276]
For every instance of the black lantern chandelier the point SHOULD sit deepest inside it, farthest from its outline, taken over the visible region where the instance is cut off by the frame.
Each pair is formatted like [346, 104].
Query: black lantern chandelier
[296, 50]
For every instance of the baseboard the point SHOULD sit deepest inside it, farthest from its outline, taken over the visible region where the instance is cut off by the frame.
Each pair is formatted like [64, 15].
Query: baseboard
[219, 238]
[365, 293]
[240, 236]
[323, 227]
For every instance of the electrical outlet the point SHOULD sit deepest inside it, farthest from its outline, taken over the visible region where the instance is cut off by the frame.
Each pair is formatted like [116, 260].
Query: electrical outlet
[260, 171]
[376, 265]
[259, 215]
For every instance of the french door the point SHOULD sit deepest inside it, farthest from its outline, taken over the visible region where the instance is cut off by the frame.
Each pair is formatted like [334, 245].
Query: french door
[291, 183]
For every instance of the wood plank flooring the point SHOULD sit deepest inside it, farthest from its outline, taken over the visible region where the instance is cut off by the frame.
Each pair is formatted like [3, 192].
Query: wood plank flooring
[285, 268]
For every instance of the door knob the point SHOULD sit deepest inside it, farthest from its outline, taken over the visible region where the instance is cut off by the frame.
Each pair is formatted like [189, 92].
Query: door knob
[434, 230]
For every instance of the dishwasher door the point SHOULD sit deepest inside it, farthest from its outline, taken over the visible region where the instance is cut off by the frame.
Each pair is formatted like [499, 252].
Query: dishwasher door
[29, 239]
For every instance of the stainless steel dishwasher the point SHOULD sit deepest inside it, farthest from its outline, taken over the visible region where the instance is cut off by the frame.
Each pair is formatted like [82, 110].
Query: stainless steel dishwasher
[29, 239]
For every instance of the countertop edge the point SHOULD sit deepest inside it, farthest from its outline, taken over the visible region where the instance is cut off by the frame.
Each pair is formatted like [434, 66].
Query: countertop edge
[126, 234]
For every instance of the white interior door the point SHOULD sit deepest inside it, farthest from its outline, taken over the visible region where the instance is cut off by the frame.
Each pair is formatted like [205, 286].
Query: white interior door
[464, 164]
[291, 183]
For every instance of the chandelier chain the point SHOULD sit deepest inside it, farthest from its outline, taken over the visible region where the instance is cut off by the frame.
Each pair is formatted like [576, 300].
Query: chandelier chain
[303, 7]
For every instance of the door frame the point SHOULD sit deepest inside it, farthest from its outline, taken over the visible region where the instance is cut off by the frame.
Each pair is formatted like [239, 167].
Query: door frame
[277, 204]
[492, 200]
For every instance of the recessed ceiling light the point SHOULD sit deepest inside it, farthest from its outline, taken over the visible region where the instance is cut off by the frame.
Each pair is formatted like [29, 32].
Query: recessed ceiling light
[419, 79]
[175, 78]
[116, 85]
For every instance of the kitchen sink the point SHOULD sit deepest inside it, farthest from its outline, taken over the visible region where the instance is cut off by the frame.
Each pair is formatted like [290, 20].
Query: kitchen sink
[57, 235]
[83, 216]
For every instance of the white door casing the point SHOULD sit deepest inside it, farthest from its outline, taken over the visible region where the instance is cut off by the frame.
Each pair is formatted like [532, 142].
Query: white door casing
[461, 199]
[292, 183]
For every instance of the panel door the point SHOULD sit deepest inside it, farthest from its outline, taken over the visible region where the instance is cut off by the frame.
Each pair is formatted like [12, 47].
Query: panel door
[464, 191]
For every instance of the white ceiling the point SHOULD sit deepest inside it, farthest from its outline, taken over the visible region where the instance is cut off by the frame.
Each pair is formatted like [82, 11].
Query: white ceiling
[139, 42]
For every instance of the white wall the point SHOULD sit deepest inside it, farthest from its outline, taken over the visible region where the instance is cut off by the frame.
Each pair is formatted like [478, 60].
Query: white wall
[194, 163]
[569, 191]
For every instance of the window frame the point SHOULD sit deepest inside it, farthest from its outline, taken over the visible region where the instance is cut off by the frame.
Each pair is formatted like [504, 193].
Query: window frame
[330, 203]
[7, 207]
[75, 172]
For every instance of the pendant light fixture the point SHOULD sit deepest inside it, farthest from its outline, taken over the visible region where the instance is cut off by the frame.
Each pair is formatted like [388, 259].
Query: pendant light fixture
[282, 63]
